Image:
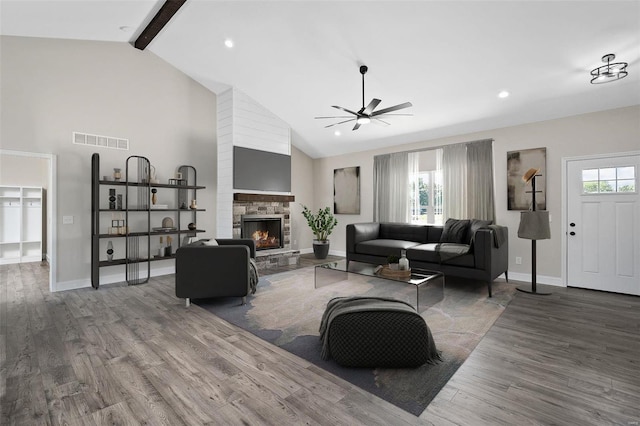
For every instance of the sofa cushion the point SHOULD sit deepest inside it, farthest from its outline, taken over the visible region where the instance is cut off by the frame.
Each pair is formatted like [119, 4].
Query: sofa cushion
[434, 233]
[403, 231]
[424, 253]
[474, 226]
[384, 247]
[455, 231]
[429, 253]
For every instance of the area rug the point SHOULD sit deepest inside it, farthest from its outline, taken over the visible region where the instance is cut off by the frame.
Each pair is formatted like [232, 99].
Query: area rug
[286, 311]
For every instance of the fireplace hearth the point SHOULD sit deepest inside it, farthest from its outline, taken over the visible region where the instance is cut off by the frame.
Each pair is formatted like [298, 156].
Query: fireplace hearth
[266, 230]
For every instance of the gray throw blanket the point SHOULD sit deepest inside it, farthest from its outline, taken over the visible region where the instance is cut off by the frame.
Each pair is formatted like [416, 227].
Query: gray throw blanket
[253, 275]
[342, 305]
[448, 251]
[499, 235]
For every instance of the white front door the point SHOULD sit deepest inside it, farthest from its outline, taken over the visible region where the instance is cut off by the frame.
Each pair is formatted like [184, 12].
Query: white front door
[603, 224]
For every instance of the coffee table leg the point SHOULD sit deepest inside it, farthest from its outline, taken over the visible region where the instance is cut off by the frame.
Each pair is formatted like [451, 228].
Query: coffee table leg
[441, 277]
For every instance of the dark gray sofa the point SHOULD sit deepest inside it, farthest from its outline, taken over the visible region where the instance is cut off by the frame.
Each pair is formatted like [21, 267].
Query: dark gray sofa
[223, 270]
[486, 259]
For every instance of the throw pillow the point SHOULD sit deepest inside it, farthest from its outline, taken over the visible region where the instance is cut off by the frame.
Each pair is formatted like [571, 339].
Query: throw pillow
[475, 225]
[211, 242]
[455, 231]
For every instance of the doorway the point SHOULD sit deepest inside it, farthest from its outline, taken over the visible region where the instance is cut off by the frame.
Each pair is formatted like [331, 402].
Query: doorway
[602, 223]
[51, 206]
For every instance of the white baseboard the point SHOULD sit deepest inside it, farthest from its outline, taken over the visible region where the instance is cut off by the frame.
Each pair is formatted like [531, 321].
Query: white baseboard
[337, 253]
[108, 279]
[540, 279]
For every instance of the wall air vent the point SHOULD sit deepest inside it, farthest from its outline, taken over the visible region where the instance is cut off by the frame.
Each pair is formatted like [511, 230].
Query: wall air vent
[100, 141]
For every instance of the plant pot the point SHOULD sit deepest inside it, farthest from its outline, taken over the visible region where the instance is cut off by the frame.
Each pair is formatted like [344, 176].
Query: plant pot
[321, 249]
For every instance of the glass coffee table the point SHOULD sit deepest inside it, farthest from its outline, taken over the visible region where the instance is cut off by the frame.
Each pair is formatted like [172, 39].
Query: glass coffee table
[333, 272]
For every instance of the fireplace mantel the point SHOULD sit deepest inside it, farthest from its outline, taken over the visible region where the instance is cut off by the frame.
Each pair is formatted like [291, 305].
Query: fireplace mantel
[241, 196]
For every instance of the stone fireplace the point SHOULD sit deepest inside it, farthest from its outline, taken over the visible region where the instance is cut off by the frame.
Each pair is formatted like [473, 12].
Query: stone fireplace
[251, 210]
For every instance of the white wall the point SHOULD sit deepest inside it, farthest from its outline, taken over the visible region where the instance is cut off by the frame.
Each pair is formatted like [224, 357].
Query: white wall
[303, 188]
[615, 130]
[51, 88]
[20, 170]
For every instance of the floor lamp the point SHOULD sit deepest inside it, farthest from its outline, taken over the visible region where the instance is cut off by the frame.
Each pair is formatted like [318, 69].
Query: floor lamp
[534, 225]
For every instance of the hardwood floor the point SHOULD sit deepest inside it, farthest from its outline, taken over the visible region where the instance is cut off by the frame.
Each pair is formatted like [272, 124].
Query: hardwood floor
[136, 355]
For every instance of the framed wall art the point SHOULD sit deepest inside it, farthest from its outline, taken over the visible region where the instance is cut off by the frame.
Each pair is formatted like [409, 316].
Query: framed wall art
[518, 192]
[346, 190]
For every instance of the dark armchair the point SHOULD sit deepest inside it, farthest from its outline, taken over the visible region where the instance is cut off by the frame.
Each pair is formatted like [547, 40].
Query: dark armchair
[214, 271]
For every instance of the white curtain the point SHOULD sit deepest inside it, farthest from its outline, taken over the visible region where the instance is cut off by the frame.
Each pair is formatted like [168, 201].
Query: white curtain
[392, 176]
[480, 199]
[454, 181]
[467, 171]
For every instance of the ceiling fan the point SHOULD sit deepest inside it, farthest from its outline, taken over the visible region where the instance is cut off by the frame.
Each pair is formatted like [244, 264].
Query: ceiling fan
[367, 114]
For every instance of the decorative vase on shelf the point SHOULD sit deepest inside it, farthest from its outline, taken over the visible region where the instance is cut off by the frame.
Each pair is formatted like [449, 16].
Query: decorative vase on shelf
[117, 175]
[192, 226]
[153, 178]
[161, 247]
[109, 251]
[193, 205]
[168, 249]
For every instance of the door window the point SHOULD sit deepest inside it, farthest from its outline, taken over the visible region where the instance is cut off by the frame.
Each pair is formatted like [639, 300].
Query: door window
[609, 180]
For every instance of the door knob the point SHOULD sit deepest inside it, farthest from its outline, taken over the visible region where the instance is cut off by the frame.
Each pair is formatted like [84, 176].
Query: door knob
[572, 224]
[572, 233]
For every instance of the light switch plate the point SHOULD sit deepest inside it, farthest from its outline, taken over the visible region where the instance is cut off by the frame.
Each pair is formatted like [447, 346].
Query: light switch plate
[67, 220]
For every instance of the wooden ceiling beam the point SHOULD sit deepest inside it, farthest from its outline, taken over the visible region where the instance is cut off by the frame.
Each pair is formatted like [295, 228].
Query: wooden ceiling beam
[164, 15]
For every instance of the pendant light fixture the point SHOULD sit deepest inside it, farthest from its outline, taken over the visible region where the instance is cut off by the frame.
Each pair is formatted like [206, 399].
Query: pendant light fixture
[609, 72]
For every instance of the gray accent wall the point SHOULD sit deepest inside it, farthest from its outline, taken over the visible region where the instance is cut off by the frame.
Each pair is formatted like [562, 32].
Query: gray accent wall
[610, 131]
[53, 87]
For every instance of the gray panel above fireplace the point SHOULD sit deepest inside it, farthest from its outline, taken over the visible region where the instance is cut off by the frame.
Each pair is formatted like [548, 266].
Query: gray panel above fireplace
[261, 170]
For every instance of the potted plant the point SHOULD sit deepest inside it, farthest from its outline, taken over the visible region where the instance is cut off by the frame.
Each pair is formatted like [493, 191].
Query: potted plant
[321, 224]
[393, 262]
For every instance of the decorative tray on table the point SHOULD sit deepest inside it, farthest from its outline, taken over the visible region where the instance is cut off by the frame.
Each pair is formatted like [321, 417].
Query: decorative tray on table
[386, 271]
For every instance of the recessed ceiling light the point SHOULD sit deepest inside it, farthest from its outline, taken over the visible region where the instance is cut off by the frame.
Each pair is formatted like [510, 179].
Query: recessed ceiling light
[337, 133]
[229, 43]
[503, 94]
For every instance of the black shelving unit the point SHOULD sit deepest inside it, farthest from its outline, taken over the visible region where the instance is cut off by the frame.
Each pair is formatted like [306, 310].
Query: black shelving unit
[137, 187]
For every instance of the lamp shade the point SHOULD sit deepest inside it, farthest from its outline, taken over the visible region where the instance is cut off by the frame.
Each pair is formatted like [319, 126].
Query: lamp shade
[534, 225]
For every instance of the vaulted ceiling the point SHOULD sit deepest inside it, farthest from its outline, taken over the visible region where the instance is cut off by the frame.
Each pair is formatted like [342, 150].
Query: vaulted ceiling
[449, 58]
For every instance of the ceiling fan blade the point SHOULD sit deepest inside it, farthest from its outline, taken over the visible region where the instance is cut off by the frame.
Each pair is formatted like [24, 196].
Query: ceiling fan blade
[372, 105]
[380, 122]
[335, 124]
[393, 108]
[344, 109]
[397, 115]
[335, 116]
[357, 126]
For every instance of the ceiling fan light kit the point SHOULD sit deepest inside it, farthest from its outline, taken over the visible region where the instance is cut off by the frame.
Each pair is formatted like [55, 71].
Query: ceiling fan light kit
[366, 114]
[609, 72]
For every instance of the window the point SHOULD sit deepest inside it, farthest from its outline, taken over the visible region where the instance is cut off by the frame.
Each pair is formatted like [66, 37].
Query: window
[426, 198]
[609, 180]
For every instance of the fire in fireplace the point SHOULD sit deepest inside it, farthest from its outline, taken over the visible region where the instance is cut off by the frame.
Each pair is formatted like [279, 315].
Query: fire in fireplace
[265, 230]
